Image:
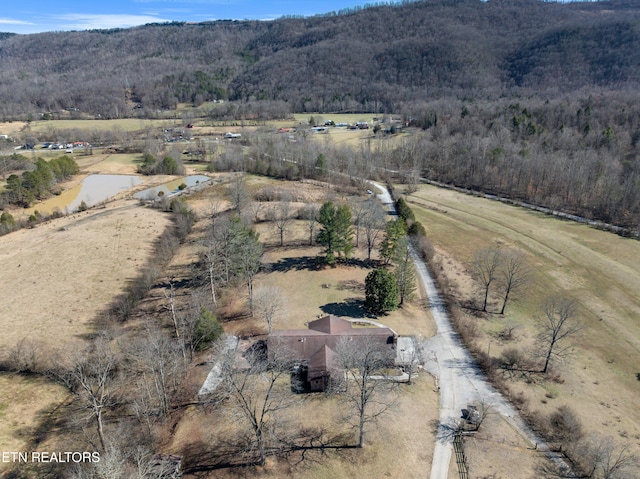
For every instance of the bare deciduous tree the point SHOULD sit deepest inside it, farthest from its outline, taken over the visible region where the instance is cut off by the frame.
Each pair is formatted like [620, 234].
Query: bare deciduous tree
[260, 392]
[246, 253]
[281, 217]
[358, 211]
[368, 393]
[171, 296]
[404, 271]
[269, 304]
[255, 208]
[91, 378]
[24, 357]
[514, 274]
[239, 193]
[477, 412]
[485, 267]
[373, 223]
[556, 326]
[159, 361]
[604, 458]
[310, 214]
[410, 356]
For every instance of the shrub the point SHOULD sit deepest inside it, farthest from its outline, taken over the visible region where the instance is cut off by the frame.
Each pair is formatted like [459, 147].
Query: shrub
[417, 230]
[404, 211]
[7, 223]
[208, 329]
[565, 426]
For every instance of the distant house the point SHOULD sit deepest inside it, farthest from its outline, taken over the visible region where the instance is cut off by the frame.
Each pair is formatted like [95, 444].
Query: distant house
[314, 349]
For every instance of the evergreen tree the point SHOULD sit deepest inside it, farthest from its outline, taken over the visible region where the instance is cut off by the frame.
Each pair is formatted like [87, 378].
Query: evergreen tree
[381, 292]
[404, 211]
[336, 233]
[404, 271]
[208, 329]
[394, 231]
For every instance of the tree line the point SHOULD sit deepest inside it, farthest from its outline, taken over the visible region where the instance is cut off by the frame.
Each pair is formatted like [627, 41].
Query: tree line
[39, 181]
[375, 59]
[576, 154]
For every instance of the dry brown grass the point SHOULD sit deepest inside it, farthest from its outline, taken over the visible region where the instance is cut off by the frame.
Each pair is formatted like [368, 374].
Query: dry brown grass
[56, 279]
[399, 446]
[22, 401]
[599, 269]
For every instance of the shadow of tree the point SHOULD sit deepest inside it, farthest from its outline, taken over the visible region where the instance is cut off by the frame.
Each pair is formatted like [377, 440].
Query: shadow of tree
[238, 453]
[447, 431]
[351, 285]
[352, 307]
[315, 263]
[299, 263]
[201, 457]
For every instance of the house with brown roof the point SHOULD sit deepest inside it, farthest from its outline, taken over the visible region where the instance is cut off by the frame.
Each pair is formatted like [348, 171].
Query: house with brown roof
[314, 349]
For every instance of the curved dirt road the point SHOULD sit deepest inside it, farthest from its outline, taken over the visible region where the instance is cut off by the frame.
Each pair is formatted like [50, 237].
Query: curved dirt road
[460, 380]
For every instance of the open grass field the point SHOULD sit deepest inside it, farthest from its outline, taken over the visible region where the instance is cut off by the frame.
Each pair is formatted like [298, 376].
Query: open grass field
[56, 278]
[123, 124]
[24, 402]
[599, 269]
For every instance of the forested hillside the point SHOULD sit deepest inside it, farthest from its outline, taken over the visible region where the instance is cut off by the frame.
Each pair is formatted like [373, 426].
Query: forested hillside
[378, 59]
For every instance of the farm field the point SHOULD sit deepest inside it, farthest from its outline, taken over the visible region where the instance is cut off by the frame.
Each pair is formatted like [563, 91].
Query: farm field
[599, 269]
[56, 279]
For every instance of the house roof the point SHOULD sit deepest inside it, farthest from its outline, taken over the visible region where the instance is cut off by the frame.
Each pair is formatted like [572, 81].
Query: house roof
[325, 332]
[323, 359]
[330, 324]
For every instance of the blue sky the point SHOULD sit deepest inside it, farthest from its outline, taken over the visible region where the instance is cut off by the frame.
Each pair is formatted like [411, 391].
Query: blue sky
[33, 16]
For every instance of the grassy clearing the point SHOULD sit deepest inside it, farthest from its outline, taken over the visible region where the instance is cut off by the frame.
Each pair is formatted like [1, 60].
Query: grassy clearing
[22, 401]
[123, 124]
[11, 127]
[599, 269]
[310, 292]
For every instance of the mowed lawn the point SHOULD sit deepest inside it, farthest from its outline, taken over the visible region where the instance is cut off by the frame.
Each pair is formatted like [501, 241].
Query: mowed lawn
[601, 270]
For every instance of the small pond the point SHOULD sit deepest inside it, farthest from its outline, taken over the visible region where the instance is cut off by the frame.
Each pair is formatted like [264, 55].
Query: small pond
[94, 189]
[171, 188]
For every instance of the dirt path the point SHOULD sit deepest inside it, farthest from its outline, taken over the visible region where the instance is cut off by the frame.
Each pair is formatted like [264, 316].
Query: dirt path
[460, 380]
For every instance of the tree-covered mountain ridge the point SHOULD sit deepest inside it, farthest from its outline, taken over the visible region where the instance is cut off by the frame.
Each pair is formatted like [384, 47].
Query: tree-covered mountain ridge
[377, 58]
